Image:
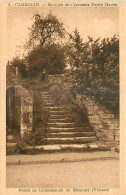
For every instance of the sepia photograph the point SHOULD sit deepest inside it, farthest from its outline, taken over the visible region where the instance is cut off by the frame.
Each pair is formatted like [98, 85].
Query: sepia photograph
[62, 97]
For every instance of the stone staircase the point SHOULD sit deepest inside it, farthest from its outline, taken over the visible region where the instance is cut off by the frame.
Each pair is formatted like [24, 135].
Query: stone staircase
[63, 135]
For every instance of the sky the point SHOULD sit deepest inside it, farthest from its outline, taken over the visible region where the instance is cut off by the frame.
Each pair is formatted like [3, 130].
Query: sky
[94, 21]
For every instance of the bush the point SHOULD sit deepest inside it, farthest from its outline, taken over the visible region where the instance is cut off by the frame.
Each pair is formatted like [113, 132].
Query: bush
[20, 63]
[32, 138]
[50, 58]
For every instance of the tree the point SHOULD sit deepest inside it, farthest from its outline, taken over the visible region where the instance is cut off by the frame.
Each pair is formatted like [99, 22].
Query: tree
[44, 29]
[20, 63]
[51, 58]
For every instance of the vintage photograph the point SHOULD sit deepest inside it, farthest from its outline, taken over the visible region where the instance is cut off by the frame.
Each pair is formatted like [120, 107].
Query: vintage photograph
[62, 98]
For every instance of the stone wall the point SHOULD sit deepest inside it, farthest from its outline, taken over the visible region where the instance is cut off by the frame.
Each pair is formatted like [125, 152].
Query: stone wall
[104, 123]
[10, 107]
[18, 104]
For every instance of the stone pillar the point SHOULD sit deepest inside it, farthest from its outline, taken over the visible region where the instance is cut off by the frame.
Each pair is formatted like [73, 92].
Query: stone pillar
[26, 123]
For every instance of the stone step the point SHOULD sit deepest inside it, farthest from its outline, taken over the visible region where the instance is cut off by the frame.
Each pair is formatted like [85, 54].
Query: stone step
[45, 97]
[70, 129]
[47, 100]
[88, 147]
[48, 103]
[57, 112]
[11, 144]
[10, 137]
[71, 134]
[54, 108]
[59, 120]
[44, 92]
[70, 140]
[69, 147]
[61, 124]
[59, 116]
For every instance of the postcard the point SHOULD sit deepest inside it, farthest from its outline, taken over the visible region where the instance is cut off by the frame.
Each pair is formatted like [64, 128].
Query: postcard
[62, 90]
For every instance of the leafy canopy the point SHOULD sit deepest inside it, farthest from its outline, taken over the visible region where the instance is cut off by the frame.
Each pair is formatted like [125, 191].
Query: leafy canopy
[44, 29]
[51, 58]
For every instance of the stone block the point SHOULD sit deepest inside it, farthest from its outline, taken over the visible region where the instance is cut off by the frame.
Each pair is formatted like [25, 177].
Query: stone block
[11, 144]
[95, 128]
[90, 112]
[95, 117]
[110, 132]
[108, 121]
[101, 126]
[95, 107]
[116, 129]
[103, 139]
[96, 125]
[51, 147]
[93, 146]
[90, 117]
[102, 147]
[111, 137]
[90, 108]
[107, 116]
[108, 126]
[115, 121]
[117, 137]
[84, 96]
[89, 103]
[113, 149]
[96, 112]
[38, 147]
[116, 125]
[100, 112]
[10, 137]
[94, 121]
[100, 135]
[29, 147]
[105, 132]
[75, 146]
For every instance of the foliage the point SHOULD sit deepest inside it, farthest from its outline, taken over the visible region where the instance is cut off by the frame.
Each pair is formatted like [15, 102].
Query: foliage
[93, 55]
[44, 29]
[31, 138]
[95, 67]
[20, 63]
[51, 58]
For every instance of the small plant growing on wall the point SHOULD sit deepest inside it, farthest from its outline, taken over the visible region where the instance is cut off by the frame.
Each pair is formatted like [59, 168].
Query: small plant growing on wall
[26, 119]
